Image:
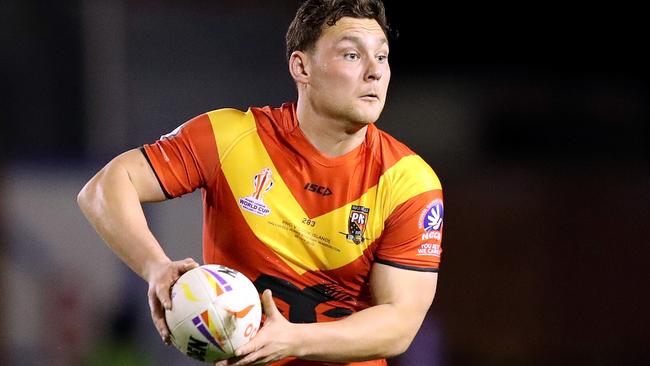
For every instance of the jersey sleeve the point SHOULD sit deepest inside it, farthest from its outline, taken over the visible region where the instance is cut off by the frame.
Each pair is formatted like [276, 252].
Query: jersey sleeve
[412, 235]
[185, 159]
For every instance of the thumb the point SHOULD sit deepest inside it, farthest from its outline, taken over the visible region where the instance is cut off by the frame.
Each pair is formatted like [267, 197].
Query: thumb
[270, 309]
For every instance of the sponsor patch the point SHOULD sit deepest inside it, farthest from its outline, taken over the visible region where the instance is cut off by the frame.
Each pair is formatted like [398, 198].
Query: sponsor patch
[431, 220]
[429, 249]
[262, 183]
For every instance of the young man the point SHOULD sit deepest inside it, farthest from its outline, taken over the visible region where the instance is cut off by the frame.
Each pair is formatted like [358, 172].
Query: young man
[337, 223]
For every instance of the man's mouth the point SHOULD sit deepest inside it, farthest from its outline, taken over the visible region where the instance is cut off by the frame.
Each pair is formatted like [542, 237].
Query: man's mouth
[370, 96]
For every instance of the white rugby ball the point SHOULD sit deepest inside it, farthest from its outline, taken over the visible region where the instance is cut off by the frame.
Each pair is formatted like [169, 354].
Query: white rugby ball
[215, 309]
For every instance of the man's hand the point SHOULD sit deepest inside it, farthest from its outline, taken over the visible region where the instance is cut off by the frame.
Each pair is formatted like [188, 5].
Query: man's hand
[275, 340]
[161, 277]
[401, 299]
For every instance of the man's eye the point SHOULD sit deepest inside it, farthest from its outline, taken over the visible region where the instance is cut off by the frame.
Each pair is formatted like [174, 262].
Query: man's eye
[382, 58]
[351, 56]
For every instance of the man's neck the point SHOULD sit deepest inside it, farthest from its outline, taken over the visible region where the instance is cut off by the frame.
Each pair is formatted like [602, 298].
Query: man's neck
[330, 136]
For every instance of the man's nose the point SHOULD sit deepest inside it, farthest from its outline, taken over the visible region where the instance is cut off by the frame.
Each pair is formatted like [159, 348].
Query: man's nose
[374, 71]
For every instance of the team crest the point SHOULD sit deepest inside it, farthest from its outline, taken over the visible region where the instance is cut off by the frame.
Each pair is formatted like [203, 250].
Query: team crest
[262, 183]
[357, 223]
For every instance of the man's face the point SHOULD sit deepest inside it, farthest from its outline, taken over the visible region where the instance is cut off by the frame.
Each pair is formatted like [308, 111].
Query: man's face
[349, 71]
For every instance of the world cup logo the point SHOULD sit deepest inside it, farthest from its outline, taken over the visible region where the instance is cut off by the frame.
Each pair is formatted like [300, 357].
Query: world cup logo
[262, 183]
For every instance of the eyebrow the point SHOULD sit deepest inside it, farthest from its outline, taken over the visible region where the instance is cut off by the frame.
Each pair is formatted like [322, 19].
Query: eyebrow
[359, 40]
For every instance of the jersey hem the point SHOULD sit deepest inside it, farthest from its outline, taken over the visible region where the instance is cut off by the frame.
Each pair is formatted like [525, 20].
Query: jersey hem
[169, 196]
[403, 266]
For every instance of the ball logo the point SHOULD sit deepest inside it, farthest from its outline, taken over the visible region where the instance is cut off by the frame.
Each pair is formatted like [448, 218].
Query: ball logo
[218, 284]
[262, 183]
[189, 295]
[241, 313]
[208, 329]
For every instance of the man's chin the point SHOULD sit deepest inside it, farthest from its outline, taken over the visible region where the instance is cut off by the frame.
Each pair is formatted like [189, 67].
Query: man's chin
[370, 116]
[362, 114]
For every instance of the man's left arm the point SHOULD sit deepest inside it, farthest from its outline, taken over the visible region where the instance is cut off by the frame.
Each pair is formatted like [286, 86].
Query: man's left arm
[401, 300]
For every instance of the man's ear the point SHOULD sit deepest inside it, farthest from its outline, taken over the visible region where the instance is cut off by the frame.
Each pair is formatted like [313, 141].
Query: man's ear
[299, 67]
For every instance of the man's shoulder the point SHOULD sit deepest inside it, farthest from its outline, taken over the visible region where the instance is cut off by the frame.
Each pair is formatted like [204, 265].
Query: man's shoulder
[399, 162]
[282, 117]
[385, 142]
[388, 150]
[226, 115]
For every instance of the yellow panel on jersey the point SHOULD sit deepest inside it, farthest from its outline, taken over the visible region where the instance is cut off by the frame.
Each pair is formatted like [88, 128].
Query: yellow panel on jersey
[256, 184]
[229, 125]
[403, 184]
[237, 142]
[277, 219]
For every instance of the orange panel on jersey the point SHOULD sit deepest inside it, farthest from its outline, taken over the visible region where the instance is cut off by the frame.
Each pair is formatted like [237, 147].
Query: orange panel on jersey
[319, 183]
[186, 158]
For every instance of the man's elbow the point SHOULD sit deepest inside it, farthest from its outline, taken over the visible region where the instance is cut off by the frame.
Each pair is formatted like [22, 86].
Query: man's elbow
[399, 346]
[404, 334]
[87, 196]
[84, 197]
[397, 342]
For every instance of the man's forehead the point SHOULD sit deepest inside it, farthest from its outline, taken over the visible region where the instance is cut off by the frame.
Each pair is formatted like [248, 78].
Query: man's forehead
[361, 40]
[354, 30]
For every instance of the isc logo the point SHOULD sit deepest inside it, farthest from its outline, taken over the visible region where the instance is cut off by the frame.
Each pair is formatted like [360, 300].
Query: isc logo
[324, 191]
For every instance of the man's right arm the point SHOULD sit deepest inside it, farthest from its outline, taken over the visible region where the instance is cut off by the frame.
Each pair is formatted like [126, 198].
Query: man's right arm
[111, 201]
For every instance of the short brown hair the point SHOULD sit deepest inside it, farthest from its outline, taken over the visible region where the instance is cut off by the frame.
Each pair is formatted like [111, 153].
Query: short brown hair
[307, 26]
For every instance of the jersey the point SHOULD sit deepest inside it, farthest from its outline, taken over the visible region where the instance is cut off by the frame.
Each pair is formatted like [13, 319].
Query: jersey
[307, 226]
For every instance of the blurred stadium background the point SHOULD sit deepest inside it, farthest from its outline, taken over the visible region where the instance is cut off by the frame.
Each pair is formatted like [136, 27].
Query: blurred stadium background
[535, 117]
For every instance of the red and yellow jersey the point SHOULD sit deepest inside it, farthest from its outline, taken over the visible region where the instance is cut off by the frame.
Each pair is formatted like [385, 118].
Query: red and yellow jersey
[307, 226]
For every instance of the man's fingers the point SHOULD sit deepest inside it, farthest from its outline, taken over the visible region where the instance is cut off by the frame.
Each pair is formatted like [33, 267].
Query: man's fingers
[257, 342]
[160, 283]
[158, 316]
[162, 291]
[250, 358]
[227, 362]
[185, 265]
[189, 263]
[247, 348]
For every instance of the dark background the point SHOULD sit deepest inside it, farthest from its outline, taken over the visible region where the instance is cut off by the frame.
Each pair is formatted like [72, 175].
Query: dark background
[535, 117]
